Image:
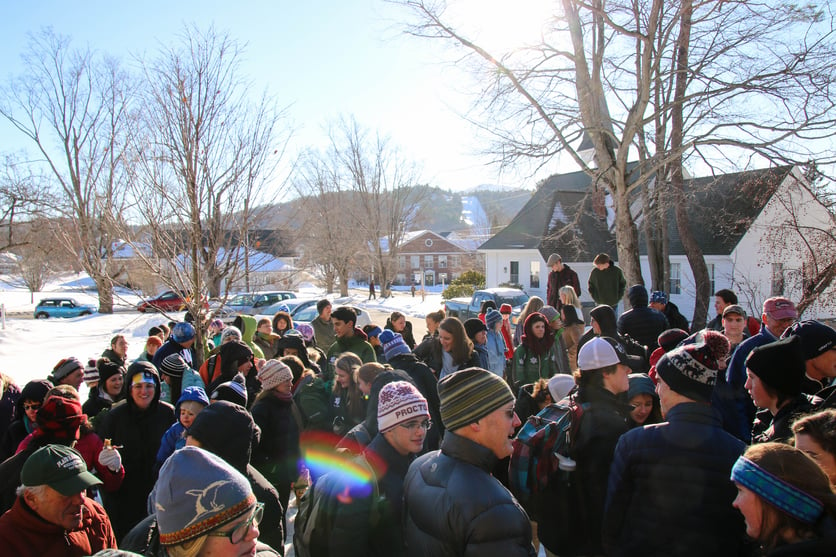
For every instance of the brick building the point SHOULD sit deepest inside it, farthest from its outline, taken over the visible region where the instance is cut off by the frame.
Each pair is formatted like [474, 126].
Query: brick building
[438, 259]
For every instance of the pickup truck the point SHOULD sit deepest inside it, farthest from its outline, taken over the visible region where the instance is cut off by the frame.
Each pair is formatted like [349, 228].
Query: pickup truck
[465, 308]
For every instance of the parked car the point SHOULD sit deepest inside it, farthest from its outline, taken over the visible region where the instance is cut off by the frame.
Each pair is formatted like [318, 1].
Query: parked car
[305, 313]
[465, 308]
[254, 303]
[170, 300]
[62, 307]
[290, 303]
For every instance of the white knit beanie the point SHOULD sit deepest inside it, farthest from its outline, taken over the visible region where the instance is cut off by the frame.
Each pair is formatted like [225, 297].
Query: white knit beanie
[273, 373]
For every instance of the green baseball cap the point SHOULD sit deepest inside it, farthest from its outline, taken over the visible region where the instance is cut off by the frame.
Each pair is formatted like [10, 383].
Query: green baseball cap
[59, 467]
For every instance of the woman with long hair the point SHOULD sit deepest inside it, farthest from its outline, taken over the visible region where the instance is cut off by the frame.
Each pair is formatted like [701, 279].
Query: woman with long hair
[397, 323]
[433, 320]
[456, 349]
[568, 297]
[534, 357]
[815, 434]
[347, 404]
[533, 304]
[786, 501]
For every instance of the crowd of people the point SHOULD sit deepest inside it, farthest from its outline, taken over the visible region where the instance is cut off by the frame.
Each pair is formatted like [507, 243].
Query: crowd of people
[717, 441]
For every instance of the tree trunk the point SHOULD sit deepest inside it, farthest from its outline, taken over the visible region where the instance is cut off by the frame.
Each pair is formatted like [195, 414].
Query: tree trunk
[692, 249]
[105, 287]
[626, 234]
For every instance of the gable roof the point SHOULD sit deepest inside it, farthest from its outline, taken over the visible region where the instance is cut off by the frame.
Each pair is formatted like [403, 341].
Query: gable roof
[560, 218]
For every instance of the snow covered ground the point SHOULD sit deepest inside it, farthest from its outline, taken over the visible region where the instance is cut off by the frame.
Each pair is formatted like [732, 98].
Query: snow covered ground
[30, 348]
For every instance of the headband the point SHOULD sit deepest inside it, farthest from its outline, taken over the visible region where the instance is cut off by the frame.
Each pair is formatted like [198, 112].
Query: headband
[774, 490]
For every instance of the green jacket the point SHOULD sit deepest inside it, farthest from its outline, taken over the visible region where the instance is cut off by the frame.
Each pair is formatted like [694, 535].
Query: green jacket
[607, 287]
[323, 332]
[528, 368]
[248, 328]
[355, 344]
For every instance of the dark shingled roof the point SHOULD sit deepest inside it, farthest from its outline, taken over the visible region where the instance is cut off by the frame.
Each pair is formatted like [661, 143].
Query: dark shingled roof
[721, 209]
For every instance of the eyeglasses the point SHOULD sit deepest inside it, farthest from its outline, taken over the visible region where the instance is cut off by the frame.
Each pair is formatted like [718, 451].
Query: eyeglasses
[33, 406]
[237, 534]
[414, 426]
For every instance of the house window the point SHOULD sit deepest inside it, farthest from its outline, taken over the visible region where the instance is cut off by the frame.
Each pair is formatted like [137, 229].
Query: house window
[442, 261]
[710, 267]
[428, 242]
[676, 279]
[428, 261]
[415, 261]
[402, 262]
[455, 261]
[777, 279]
[534, 275]
[515, 272]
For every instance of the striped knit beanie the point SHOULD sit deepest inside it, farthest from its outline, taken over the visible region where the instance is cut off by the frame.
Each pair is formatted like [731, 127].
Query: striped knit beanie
[469, 395]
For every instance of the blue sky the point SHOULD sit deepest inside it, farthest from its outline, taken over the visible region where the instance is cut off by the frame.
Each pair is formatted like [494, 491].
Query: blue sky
[323, 58]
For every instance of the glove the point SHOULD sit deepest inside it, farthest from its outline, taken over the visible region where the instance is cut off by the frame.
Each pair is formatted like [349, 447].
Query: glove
[110, 459]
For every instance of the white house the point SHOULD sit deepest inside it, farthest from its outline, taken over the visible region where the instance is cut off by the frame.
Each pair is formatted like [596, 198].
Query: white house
[744, 223]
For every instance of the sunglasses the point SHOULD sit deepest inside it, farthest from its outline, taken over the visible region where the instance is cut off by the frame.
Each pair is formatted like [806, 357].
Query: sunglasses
[237, 534]
[33, 406]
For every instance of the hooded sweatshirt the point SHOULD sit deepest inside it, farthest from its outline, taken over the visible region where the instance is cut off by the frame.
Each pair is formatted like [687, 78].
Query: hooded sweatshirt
[248, 326]
[641, 323]
[175, 437]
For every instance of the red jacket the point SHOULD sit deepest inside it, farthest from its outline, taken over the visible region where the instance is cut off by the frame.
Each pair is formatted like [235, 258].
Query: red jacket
[23, 533]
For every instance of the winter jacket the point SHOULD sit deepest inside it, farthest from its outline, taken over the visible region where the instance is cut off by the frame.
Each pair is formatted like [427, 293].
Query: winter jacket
[822, 545]
[778, 428]
[23, 533]
[313, 402]
[641, 323]
[454, 507]
[732, 400]
[353, 344]
[429, 352]
[20, 425]
[496, 353]
[352, 533]
[607, 286]
[324, 334]
[96, 403]
[506, 336]
[138, 433]
[571, 336]
[170, 347]
[114, 357]
[269, 344]
[223, 366]
[248, 326]
[9, 395]
[277, 456]
[481, 351]
[406, 334]
[175, 437]
[557, 279]
[605, 317]
[144, 539]
[528, 367]
[669, 489]
[603, 422]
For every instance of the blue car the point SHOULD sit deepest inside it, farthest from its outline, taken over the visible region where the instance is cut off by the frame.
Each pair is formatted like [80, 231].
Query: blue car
[62, 307]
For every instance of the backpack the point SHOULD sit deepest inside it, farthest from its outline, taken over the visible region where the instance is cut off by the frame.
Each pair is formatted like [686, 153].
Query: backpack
[316, 509]
[542, 447]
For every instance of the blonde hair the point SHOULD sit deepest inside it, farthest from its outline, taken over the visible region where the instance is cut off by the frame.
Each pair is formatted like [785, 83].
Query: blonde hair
[571, 297]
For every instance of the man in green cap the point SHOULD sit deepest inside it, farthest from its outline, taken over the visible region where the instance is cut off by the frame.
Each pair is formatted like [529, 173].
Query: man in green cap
[52, 515]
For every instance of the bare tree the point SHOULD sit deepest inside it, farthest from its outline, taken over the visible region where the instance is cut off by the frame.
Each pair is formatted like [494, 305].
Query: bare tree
[73, 107]
[383, 182]
[206, 155]
[744, 79]
[38, 254]
[20, 201]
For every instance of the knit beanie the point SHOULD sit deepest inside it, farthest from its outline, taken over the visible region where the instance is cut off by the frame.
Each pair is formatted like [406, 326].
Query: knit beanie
[469, 395]
[64, 368]
[60, 417]
[233, 391]
[91, 373]
[34, 390]
[273, 373]
[506, 309]
[560, 385]
[640, 383]
[549, 313]
[668, 340]
[816, 337]
[141, 371]
[779, 364]
[108, 369]
[492, 318]
[305, 330]
[474, 326]
[691, 370]
[153, 341]
[231, 331]
[173, 365]
[393, 344]
[182, 332]
[198, 492]
[398, 403]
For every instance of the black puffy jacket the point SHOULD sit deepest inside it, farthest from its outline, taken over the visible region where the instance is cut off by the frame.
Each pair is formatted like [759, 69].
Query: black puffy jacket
[642, 323]
[137, 433]
[453, 506]
[669, 488]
